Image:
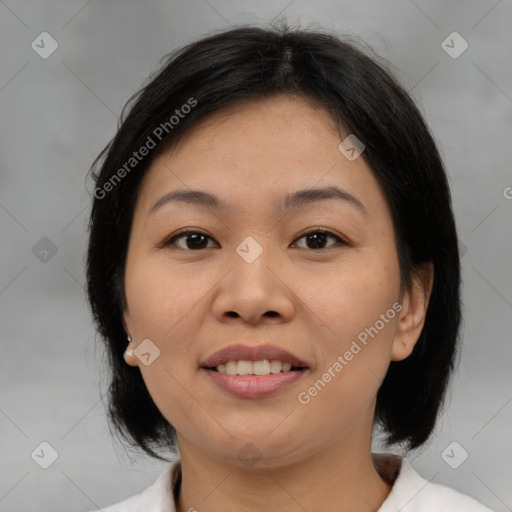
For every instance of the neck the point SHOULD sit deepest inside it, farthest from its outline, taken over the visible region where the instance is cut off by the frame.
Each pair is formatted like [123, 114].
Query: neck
[340, 477]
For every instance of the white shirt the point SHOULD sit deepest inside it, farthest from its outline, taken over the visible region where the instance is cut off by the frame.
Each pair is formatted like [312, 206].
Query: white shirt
[410, 492]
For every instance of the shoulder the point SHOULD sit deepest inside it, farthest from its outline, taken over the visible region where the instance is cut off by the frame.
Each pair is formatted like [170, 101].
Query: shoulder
[158, 497]
[413, 493]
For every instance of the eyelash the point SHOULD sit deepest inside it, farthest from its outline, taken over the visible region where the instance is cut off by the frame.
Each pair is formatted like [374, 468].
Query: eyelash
[319, 229]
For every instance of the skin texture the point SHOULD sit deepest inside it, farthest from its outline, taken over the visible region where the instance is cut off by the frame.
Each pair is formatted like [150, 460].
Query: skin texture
[314, 456]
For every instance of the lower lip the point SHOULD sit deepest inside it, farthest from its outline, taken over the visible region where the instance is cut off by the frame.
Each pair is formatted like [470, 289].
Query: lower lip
[254, 386]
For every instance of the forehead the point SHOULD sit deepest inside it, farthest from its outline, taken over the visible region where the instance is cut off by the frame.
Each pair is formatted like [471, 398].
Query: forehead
[257, 152]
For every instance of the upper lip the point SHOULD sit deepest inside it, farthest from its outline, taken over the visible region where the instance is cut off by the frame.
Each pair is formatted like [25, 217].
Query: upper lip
[252, 353]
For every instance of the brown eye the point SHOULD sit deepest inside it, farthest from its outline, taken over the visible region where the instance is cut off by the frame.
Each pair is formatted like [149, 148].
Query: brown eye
[197, 240]
[194, 240]
[315, 239]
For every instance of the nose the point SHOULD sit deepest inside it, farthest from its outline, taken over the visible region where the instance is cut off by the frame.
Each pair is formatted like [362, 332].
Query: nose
[255, 289]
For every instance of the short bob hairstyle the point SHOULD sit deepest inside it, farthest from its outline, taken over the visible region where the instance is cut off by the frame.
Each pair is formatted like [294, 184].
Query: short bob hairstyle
[363, 98]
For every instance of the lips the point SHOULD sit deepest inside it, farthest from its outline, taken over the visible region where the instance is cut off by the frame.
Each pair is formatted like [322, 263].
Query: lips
[253, 353]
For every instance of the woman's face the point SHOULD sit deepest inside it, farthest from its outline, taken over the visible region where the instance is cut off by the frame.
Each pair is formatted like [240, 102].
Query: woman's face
[252, 278]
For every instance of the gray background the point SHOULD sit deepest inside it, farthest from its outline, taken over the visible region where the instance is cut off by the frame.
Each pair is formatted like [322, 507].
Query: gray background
[58, 113]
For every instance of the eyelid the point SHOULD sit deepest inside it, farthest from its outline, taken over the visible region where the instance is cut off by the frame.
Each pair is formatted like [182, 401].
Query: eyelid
[327, 231]
[314, 229]
[171, 238]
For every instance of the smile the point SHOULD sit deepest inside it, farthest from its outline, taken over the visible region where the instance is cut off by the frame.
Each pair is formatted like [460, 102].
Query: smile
[253, 371]
[254, 386]
[263, 367]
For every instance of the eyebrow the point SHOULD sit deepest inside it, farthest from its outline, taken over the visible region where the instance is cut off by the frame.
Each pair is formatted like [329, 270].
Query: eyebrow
[292, 201]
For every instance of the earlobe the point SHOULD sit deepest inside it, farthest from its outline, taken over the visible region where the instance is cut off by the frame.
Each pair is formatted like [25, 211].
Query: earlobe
[414, 310]
[129, 357]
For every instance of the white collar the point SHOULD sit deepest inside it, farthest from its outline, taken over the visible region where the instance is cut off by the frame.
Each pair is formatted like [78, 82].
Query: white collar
[410, 492]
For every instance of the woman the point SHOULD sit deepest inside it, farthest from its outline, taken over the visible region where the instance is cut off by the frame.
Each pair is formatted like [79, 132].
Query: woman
[273, 266]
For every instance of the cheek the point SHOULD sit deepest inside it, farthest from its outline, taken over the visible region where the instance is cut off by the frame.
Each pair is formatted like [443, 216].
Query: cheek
[356, 294]
[354, 355]
[360, 311]
[160, 296]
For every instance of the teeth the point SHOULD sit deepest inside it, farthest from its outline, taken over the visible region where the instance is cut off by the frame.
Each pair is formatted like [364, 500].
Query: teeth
[244, 368]
[263, 367]
[260, 367]
[276, 366]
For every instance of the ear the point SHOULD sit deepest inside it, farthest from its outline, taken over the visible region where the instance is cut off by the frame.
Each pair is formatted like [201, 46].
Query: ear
[128, 355]
[412, 316]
